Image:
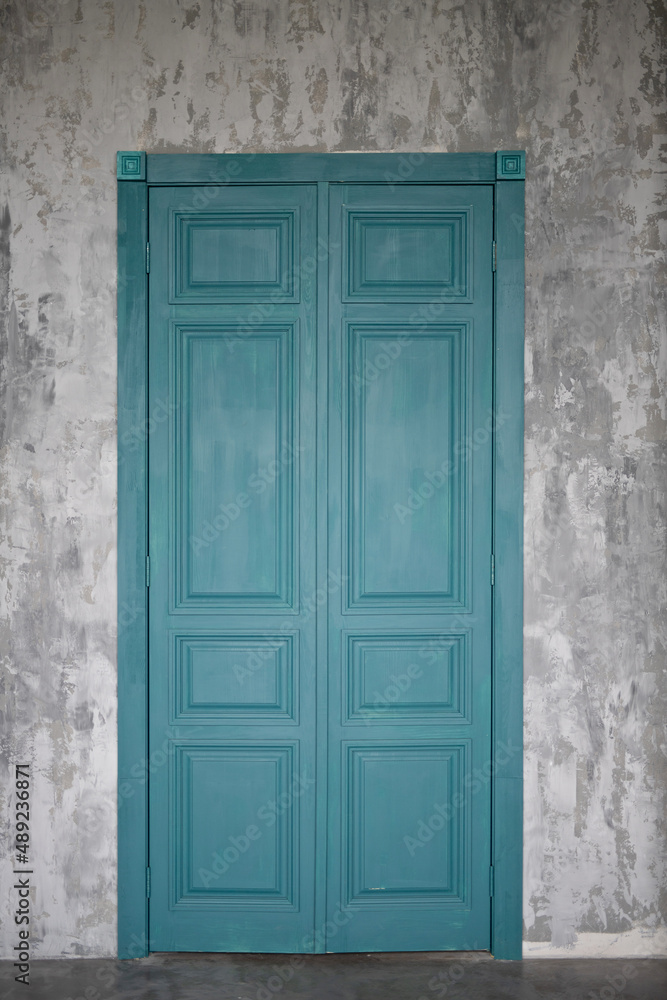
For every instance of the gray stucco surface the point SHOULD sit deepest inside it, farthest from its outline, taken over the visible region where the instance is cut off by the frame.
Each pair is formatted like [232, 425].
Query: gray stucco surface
[580, 86]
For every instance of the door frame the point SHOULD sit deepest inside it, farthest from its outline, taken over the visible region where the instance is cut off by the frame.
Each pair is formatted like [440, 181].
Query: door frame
[136, 171]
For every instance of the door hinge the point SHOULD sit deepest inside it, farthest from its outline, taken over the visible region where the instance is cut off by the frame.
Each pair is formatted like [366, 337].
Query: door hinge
[493, 254]
[148, 258]
[493, 570]
[148, 883]
[148, 571]
[491, 881]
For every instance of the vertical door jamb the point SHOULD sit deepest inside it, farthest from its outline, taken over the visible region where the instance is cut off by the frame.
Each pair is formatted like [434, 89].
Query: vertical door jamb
[133, 430]
[507, 787]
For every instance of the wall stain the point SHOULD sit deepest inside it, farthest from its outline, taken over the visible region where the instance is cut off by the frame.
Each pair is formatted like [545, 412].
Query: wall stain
[318, 90]
[191, 16]
[304, 21]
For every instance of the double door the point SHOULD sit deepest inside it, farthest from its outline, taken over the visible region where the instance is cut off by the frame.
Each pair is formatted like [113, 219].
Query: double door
[320, 544]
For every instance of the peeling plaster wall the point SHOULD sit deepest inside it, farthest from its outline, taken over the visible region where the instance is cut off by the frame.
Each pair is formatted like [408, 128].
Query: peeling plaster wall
[578, 85]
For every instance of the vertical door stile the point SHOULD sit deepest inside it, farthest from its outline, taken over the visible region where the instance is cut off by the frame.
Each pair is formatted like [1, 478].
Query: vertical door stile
[323, 576]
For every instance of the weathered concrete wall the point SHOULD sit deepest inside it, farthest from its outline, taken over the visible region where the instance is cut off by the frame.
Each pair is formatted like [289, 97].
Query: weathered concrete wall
[578, 85]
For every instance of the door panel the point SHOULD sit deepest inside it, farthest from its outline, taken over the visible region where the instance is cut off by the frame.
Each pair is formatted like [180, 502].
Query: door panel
[406, 410]
[235, 255]
[399, 255]
[238, 551]
[410, 344]
[398, 504]
[232, 542]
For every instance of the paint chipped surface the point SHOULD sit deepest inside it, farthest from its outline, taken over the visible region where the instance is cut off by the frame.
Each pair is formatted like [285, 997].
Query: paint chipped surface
[580, 86]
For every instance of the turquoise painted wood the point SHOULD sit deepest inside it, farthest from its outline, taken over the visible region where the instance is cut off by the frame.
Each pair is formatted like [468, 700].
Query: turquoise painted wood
[410, 465]
[391, 169]
[508, 592]
[320, 620]
[232, 562]
[132, 540]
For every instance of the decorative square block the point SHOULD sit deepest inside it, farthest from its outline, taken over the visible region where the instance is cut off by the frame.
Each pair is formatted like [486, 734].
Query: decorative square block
[511, 164]
[131, 166]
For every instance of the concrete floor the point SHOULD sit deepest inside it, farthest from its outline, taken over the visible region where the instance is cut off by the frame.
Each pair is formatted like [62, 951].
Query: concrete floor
[422, 976]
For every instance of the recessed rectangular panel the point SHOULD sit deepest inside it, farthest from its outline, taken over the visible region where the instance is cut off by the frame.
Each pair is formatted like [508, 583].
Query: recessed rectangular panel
[234, 256]
[406, 678]
[236, 458]
[408, 848]
[402, 256]
[406, 421]
[230, 678]
[232, 846]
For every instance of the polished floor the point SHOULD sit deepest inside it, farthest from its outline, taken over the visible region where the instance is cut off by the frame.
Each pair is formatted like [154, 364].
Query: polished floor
[420, 976]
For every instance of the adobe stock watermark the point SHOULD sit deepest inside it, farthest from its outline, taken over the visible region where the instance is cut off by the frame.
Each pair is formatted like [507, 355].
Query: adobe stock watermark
[143, 768]
[406, 165]
[562, 10]
[400, 683]
[256, 659]
[392, 347]
[92, 816]
[282, 974]
[260, 312]
[384, 358]
[229, 170]
[473, 782]
[446, 978]
[267, 815]
[617, 984]
[257, 484]
[434, 480]
[130, 441]
[108, 977]
[310, 943]
[139, 433]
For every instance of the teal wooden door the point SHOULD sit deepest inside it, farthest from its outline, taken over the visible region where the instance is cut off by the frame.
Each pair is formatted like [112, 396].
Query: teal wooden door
[232, 543]
[409, 718]
[320, 385]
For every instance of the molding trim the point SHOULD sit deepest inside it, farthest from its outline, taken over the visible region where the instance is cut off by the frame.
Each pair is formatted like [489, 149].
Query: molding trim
[510, 165]
[502, 170]
[130, 166]
[132, 596]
